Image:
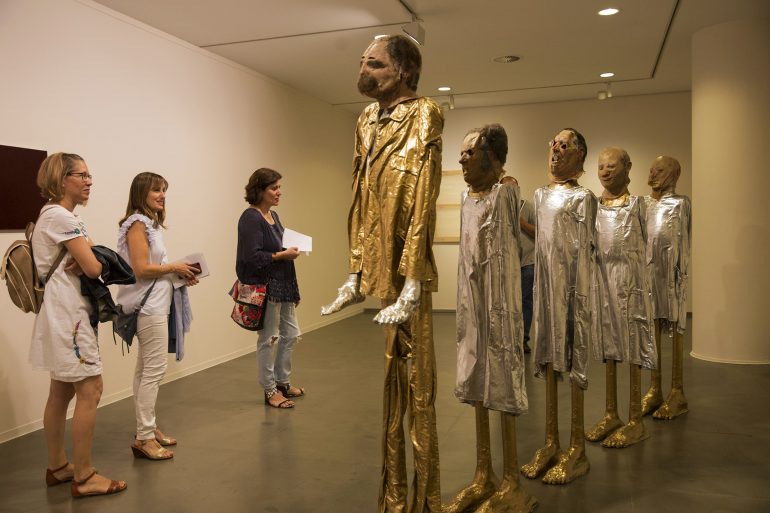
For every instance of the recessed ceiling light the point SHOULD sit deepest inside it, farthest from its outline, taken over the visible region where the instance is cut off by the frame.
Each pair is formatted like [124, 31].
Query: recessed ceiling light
[444, 88]
[608, 12]
[607, 75]
[506, 59]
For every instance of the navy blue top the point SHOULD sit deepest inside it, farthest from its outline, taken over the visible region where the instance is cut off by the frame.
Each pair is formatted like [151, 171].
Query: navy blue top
[257, 241]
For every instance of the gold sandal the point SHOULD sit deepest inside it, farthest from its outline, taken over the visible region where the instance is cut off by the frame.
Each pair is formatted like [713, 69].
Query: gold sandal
[158, 452]
[163, 439]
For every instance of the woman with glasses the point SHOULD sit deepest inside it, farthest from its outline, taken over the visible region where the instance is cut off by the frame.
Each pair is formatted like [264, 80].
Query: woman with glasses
[140, 241]
[261, 259]
[63, 341]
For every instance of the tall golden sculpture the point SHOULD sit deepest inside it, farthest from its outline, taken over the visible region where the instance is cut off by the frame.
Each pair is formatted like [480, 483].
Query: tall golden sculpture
[624, 313]
[668, 249]
[396, 178]
[563, 320]
[490, 333]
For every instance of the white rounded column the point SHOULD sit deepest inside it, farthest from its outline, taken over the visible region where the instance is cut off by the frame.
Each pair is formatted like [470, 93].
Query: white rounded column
[731, 192]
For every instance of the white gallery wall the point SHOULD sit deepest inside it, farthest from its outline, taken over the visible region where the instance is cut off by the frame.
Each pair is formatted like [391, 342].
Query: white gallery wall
[77, 77]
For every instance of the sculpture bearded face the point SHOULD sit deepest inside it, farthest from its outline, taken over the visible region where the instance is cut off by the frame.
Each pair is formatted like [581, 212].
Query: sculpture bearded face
[664, 174]
[565, 159]
[378, 76]
[480, 169]
[613, 171]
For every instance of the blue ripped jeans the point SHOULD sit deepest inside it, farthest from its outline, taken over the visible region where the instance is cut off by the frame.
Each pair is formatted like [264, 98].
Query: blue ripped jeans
[276, 344]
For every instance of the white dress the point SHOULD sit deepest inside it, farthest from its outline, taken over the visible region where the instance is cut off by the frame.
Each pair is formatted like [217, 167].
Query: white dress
[63, 341]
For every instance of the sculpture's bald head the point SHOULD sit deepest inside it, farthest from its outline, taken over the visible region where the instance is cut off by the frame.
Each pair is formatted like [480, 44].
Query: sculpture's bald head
[664, 174]
[614, 167]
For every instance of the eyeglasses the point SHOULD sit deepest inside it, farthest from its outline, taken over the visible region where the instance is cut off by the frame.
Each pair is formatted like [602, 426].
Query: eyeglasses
[86, 177]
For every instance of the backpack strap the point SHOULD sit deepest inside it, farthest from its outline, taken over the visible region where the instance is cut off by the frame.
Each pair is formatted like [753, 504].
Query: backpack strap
[56, 263]
[28, 234]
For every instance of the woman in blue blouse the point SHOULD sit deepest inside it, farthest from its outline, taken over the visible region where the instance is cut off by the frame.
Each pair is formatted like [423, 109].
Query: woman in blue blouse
[262, 259]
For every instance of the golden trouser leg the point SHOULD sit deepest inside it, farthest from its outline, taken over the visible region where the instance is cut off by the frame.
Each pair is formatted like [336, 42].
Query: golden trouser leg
[510, 497]
[484, 481]
[573, 462]
[426, 489]
[611, 421]
[654, 396]
[550, 452]
[676, 402]
[634, 431]
[393, 487]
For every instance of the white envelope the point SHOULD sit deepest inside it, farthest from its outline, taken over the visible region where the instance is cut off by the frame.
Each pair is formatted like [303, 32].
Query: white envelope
[292, 239]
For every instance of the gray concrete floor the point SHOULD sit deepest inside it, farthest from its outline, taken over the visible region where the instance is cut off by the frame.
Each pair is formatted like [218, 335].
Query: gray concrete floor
[237, 455]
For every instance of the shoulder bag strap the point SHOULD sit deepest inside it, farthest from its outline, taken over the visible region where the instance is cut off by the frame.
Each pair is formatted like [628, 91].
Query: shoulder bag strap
[144, 300]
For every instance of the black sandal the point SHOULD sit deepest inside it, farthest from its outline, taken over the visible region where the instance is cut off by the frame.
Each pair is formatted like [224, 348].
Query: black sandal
[282, 405]
[285, 389]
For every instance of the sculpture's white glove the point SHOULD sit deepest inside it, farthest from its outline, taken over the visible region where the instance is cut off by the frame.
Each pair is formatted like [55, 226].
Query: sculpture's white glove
[407, 302]
[347, 295]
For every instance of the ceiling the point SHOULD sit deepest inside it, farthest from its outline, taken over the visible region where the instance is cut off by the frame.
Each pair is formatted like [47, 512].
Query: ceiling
[563, 45]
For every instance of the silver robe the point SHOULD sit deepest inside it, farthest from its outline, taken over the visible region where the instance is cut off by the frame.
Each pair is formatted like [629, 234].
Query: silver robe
[624, 315]
[564, 271]
[668, 251]
[490, 330]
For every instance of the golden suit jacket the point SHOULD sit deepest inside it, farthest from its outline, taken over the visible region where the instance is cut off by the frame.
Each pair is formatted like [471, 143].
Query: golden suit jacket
[396, 179]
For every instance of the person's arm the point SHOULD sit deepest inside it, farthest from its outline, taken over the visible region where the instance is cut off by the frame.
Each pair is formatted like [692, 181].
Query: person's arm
[357, 207]
[526, 227]
[139, 251]
[83, 259]
[415, 263]
[525, 213]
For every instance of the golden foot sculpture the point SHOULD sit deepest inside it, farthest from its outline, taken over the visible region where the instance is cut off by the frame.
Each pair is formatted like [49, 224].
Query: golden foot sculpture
[604, 428]
[471, 496]
[543, 458]
[652, 400]
[572, 464]
[674, 406]
[630, 434]
[510, 498]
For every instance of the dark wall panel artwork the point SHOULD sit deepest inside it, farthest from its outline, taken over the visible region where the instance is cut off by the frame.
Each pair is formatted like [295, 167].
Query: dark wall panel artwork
[20, 199]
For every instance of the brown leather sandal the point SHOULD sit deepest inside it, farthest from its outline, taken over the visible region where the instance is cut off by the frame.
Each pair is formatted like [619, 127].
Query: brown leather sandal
[52, 480]
[115, 487]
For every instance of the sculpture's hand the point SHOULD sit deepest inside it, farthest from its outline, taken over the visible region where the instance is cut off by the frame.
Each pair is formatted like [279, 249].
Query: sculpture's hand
[407, 302]
[347, 295]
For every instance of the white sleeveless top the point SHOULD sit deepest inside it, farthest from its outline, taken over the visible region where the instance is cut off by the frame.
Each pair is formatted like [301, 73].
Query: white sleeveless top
[159, 301]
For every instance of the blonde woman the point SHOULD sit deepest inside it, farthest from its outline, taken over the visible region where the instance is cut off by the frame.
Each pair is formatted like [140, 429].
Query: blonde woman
[63, 341]
[140, 242]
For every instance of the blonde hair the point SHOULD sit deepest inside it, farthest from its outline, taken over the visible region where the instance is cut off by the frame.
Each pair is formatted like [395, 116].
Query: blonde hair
[50, 176]
[141, 186]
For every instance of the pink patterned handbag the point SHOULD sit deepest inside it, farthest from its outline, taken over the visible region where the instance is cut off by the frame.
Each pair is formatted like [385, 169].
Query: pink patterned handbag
[250, 304]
